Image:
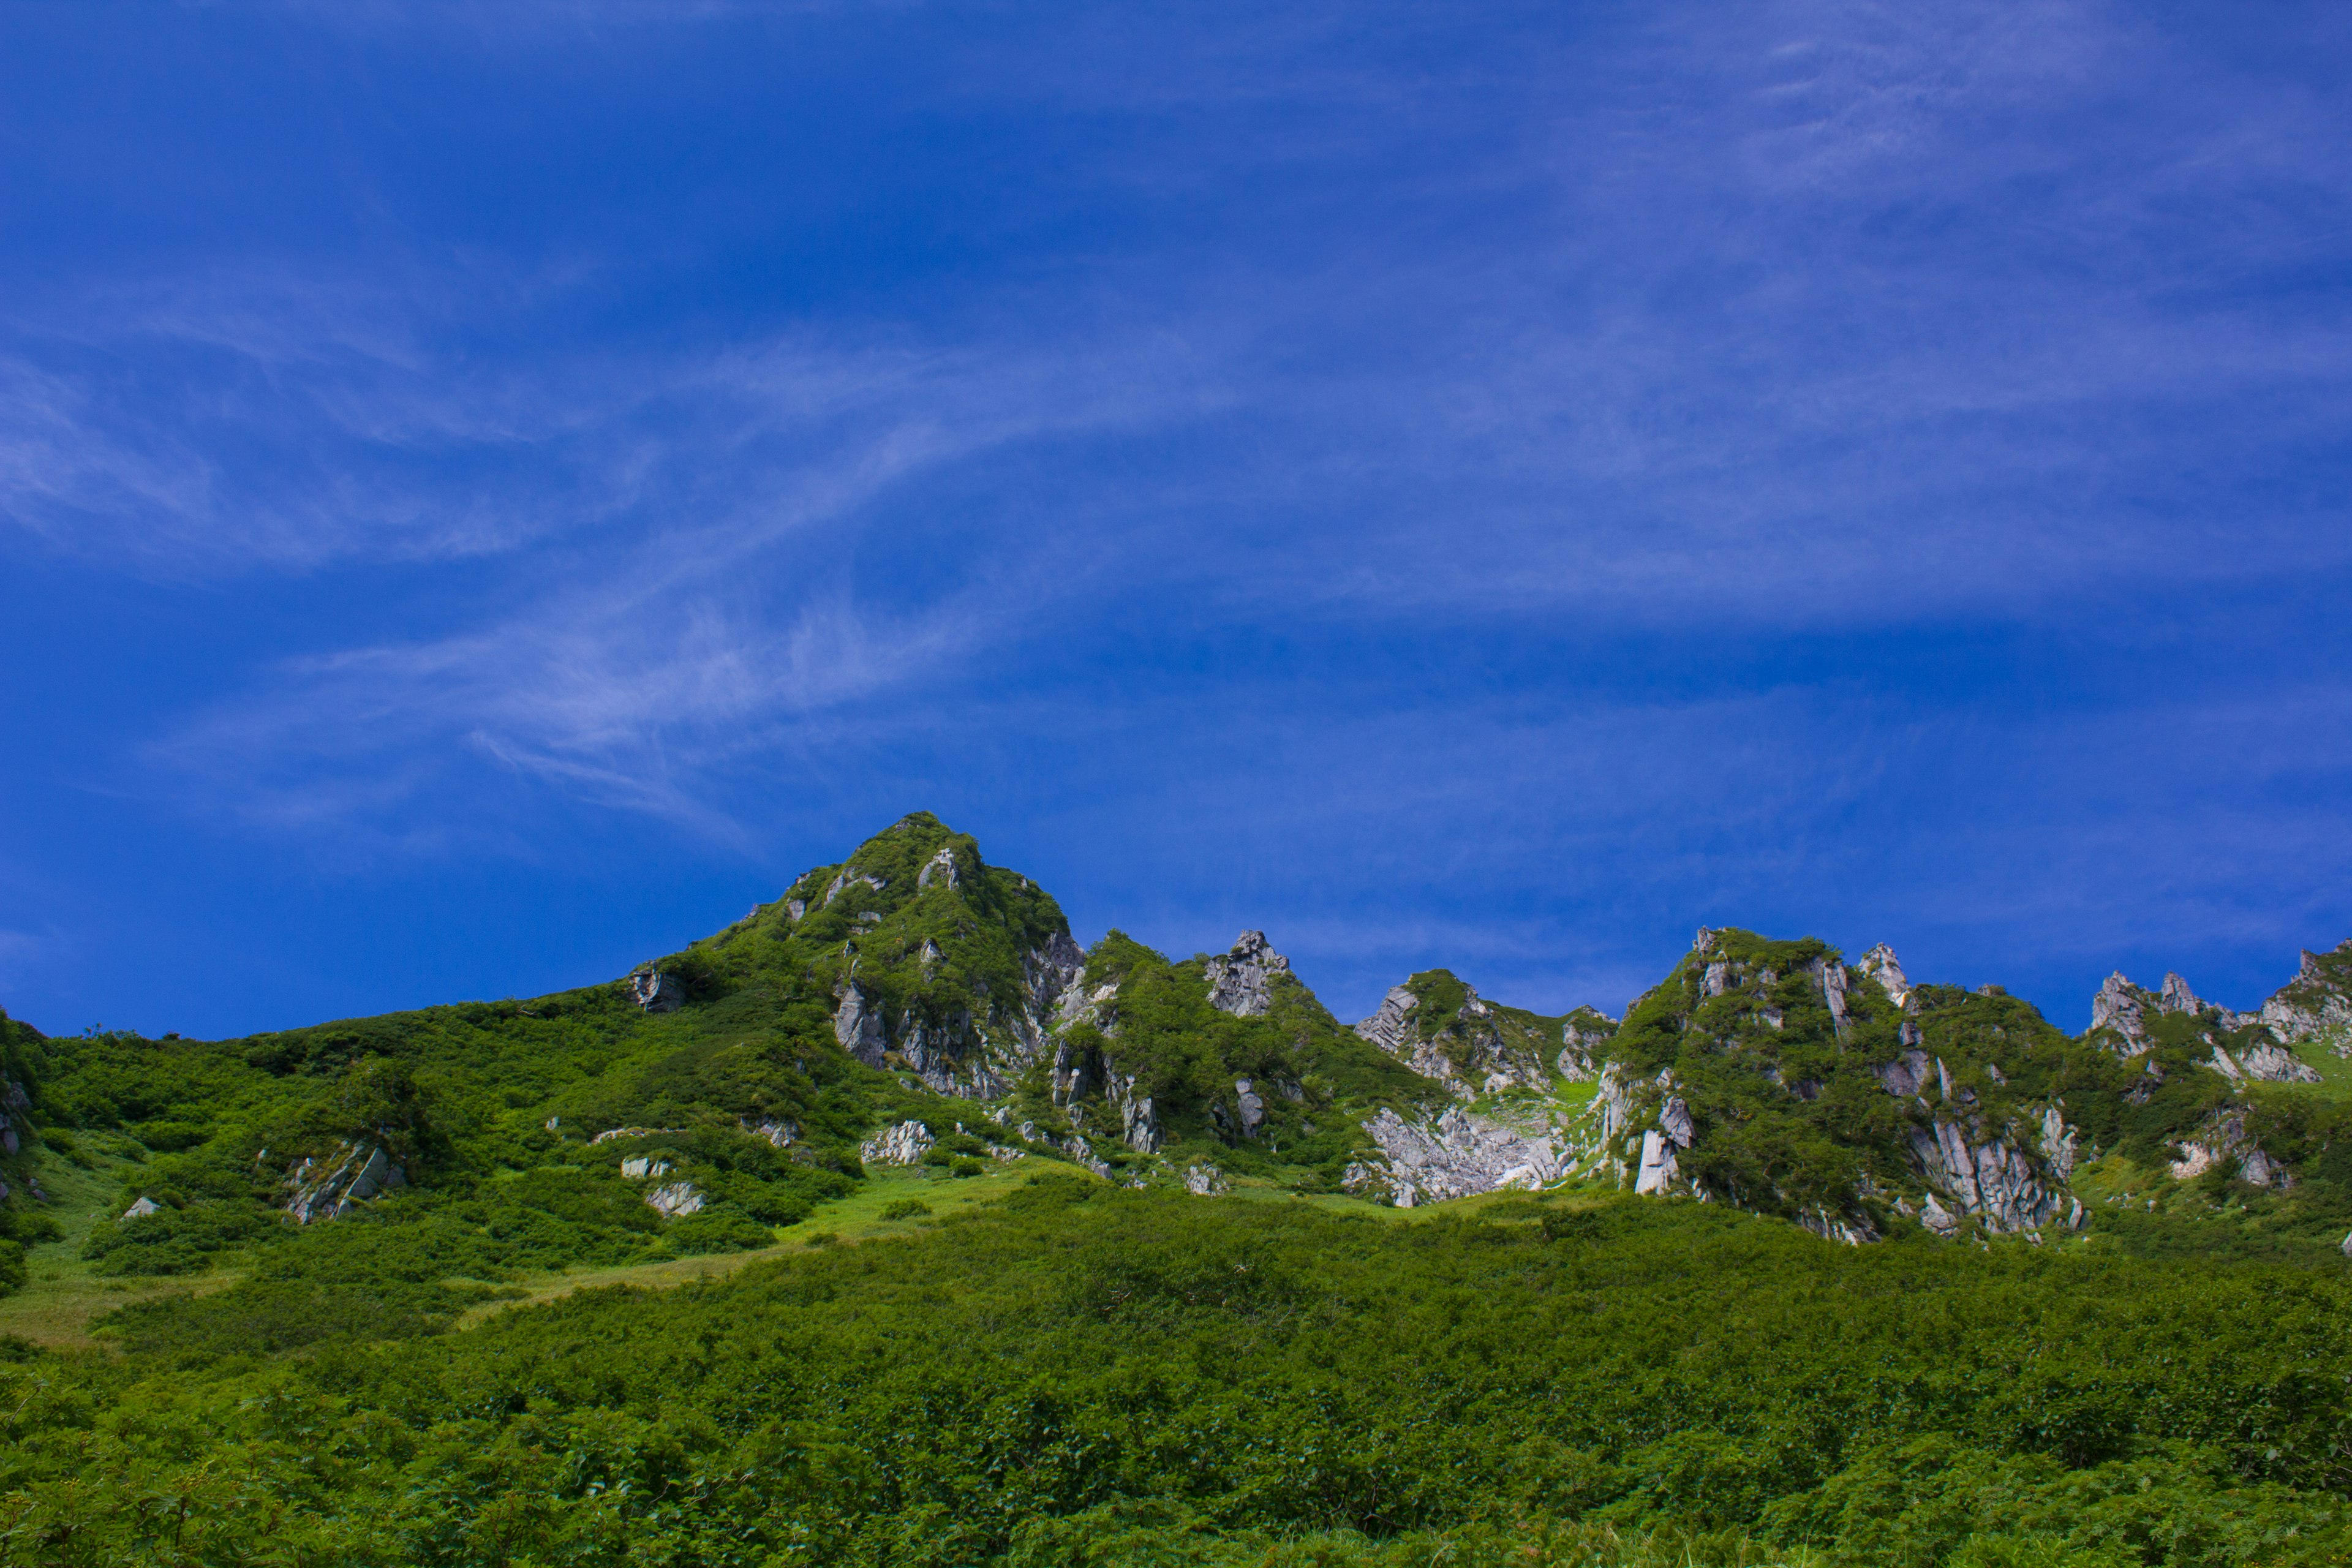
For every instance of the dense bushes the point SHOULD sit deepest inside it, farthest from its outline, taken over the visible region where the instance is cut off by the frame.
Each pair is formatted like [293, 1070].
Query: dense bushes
[1088, 1375]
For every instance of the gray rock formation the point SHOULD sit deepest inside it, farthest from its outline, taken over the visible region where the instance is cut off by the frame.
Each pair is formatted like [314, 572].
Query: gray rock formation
[2317, 1002]
[1455, 1156]
[2221, 1141]
[1240, 982]
[1984, 1173]
[1138, 1124]
[1581, 1048]
[1908, 1075]
[1390, 1026]
[1252, 1107]
[675, 1200]
[2263, 1061]
[856, 1025]
[141, 1209]
[1655, 1174]
[645, 1168]
[2176, 997]
[1881, 965]
[1834, 991]
[779, 1133]
[657, 993]
[615, 1134]
[2123, 1007]
[905, 1145]
[1490, 1063]
[1205, 1181]
[939, 867]
[326, 1187]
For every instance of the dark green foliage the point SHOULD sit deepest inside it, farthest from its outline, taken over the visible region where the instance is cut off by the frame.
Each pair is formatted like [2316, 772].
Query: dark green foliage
[1082, 1366]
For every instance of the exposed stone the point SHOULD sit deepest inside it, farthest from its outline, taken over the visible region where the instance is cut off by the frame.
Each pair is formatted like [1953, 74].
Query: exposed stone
[2317, 1002]
[846, 880]
[644, 1168]
[1674, 1122]
[939, 867]
[1252, 1108]
[613, 1135]
[1852, 1229]
[2123, 1007]
[1240, 982]
[677, 1199]
[326, 1187]
[141, 1209]
[856, 1025]
[905, 1145]
[1832, 975]
[2176, 997]
[1455, 1156]
[1717, 979]
[1704, 940]
[2263, 1061]
[1480, 1059]
[1656, 1171]
[1881, 965]
[2221, 1141]
[1986, 1176]
[655, 992]
[1205, 1181]
[778, 1134]
[1138, 1124]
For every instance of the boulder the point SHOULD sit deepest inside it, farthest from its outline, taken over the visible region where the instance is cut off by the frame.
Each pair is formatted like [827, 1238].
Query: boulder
[1252, 1107]
[140, 1210]
[1656, 1171]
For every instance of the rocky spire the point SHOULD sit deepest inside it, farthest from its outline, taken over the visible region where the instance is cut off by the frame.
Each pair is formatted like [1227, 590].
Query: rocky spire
[1881, 965]
[1240, 982]
[2121, 1005]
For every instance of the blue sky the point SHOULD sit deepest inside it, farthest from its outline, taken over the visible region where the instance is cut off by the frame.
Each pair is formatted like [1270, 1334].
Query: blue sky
[488, 493]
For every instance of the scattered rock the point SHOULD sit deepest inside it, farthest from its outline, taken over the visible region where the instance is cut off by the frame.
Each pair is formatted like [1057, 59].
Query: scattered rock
[1240, 982]
[779, 1135]
[1205, 1181]
[905, 1145]
[616, 1133]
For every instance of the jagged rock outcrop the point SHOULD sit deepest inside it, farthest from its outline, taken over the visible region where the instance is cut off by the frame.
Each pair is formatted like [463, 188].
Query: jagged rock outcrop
[1250, 1107]
[905, 1145]
[1457, 1155]
[856, 1025]
[2221, 1140]
[678, 1198]
[1240, 982]
[2263, 1061]
[1985, 1175]
[2317, 1002]
[1881, 965]
[1138, 1124]
[1205, 1181]
[655, 992]
[644, 1168]
[325, 1187]
[140, 1209]
[1471, 1046]
[2122, 1007]
[1583, 1037]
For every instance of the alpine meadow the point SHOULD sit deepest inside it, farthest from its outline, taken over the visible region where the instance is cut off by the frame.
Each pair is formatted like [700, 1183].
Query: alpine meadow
[886, 1225]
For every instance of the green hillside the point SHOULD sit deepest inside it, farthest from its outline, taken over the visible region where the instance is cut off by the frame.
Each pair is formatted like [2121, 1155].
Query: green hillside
[887, 1225]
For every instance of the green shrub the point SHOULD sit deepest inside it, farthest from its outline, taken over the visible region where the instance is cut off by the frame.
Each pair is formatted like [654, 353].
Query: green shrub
[718, 1230]
[906, 1208]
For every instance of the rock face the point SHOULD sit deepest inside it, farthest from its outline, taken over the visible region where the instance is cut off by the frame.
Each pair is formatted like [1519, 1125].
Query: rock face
[1986, 1176]
[1240, 982]
[2122, 1007]
[677, 1198]
[329, 1187]
[2221, 1141]
[2317, 1002]
[905, 1145]
[657, 993]
[1881, 965]
[1442, 1029]
[140, 1210]
[15, 1116]
[1457, 1155]
[2263, 1061]
[856, 1025]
